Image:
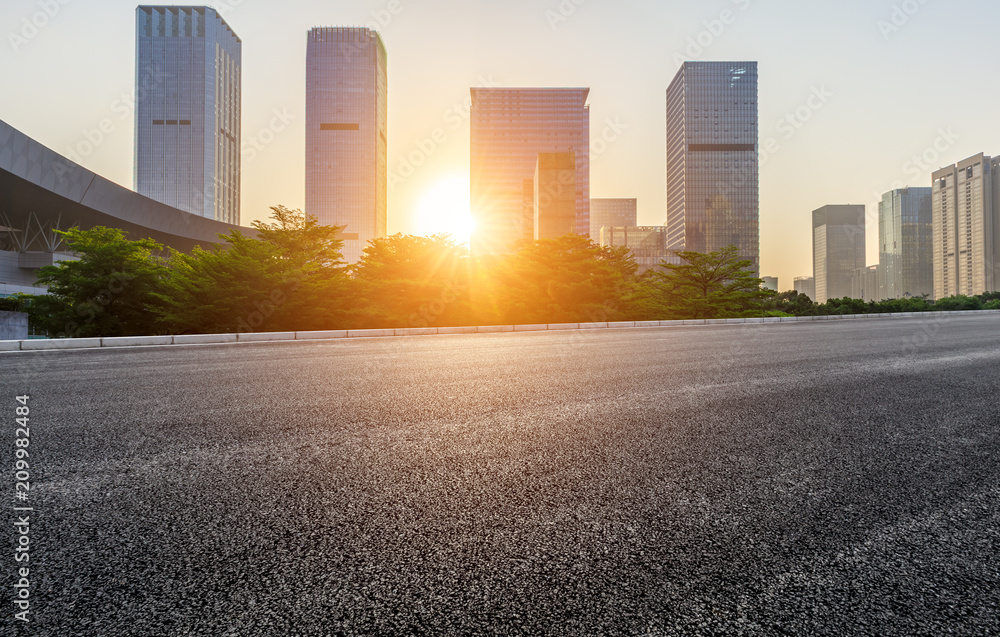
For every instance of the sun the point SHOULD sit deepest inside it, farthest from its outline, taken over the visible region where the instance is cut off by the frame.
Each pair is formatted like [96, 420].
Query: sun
[444, 209]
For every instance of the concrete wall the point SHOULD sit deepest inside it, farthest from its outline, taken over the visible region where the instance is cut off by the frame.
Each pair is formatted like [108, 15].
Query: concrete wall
[13, 326]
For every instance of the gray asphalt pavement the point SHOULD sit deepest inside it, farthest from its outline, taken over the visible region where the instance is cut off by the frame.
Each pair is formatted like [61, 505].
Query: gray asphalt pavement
[832, 478]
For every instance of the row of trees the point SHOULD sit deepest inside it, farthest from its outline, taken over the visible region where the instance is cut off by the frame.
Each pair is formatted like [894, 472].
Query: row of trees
[291, 277]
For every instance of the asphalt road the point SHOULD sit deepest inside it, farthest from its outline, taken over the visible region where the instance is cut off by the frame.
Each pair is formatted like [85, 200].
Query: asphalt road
[834, 478]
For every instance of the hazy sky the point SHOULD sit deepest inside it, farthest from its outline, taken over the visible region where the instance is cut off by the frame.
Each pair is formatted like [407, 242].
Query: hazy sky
[892, 80]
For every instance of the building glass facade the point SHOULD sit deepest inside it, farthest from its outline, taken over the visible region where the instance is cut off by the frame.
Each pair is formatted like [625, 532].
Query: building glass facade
[612, 213]
[649, 244]
[905, 229]
[838, 249]
[554, 200]
[509, 128]
[346, 128]
[187, 115]
[712, 158]
[965, 213]
[805, 285]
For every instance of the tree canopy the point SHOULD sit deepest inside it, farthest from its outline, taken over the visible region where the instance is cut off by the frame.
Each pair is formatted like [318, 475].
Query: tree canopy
[108, 291]
[290, 277]
[708, 286]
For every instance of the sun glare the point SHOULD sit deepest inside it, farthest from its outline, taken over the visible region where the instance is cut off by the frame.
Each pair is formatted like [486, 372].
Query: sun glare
[444, 209]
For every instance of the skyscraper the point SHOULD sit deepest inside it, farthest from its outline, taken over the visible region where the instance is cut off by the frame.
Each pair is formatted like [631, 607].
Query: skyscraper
[905, 234]
[838, 249]
[187, 116]
[611, 213]
[712, 168]
[510, 127]
[346, 148]
[966, 227]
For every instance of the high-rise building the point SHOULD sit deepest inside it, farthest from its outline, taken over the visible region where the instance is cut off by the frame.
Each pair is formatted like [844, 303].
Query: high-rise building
[865, 284]
[510, 127]
[346, 147]
[648, 244]
[770, 283]
[838, 249]
[905, 232]
[612, 213]
[966, 227]
[712, 162]
[805, 285]
[554, 201]
[187, 114]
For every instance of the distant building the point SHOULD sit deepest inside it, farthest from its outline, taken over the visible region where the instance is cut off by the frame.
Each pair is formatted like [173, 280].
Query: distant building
[864, 284]
[648, 244]
[805, 285]
[838, 249]
[906, 254]
[770, 283]
[712, 161]
[509, 128]
[346, 122]
[966, 227]
[187, 110]
[612, 213]
[554, 195]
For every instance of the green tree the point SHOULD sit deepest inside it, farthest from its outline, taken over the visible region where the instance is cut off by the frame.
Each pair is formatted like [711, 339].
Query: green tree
[290, 277]
[790, 303]
[958, 302]
[410, 281]
[569, 279]
[109, 291]
[709, 286]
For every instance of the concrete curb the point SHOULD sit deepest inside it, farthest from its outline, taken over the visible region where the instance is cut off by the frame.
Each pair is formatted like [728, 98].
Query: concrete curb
[42, 344]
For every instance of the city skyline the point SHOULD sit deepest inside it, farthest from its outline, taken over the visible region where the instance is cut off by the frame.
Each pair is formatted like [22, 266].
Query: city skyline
[815, 112]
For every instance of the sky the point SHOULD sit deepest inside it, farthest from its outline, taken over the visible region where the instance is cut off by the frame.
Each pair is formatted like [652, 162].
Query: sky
[856, 97]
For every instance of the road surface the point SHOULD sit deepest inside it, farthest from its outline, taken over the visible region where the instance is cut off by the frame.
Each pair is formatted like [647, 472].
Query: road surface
[827, 478]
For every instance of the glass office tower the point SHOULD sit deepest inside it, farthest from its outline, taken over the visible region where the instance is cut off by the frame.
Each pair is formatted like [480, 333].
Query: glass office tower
[906, 258]
[611, 213]
[510, 127]
[187, 114]
[838, 249]
[712, 169]
[346, 147]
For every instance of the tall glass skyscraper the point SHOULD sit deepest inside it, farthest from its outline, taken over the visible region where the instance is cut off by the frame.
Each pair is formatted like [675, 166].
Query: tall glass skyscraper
[187, 115]
[712, 169]
[906, 246]
[510, 128]
[346, 147]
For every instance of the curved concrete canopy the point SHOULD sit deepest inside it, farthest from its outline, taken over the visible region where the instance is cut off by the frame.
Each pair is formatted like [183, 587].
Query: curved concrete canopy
[37, 180]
